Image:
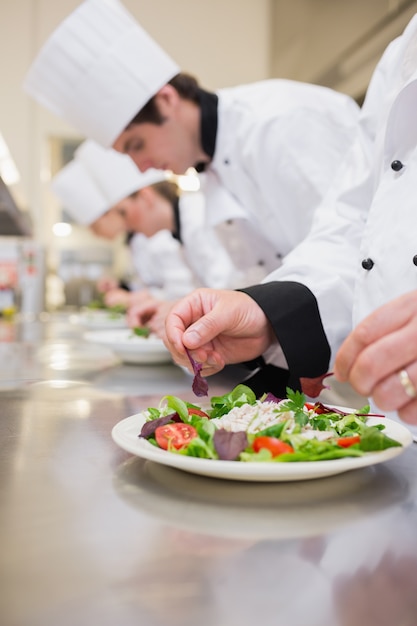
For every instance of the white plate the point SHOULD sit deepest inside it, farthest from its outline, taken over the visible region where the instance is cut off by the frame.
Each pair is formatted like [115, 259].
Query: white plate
[126, 432]
[97, 319]
[130, 348]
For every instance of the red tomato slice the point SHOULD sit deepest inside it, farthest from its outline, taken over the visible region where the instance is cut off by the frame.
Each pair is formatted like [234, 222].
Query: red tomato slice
[346, 442]
[274, 445]
[193, 411]
[315, 407]
[176, 435]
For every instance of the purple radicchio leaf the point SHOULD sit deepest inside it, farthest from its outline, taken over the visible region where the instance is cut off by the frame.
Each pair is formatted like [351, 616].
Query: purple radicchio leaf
[271, 398]
[229, 445]
[200, 385]
[148, 429]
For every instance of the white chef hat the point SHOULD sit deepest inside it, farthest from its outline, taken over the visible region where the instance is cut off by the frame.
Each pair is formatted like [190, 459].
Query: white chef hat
[98, 69]
[79, 194]
[114, 174]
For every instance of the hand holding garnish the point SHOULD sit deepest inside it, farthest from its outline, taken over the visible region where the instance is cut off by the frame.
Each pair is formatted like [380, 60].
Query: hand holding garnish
[200, 385]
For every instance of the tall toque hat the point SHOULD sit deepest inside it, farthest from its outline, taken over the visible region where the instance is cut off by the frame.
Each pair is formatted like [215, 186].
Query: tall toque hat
[98, 69]
[80, 196]
[115, 174]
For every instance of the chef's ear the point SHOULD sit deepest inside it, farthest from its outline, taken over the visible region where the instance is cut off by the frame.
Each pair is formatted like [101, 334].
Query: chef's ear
[147, 195]
[167, 99]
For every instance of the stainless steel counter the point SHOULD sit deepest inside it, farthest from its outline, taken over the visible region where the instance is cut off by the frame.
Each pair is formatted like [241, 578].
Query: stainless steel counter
[91, 535]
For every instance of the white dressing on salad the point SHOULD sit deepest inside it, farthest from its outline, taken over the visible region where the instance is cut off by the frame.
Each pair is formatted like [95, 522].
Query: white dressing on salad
[252, 418]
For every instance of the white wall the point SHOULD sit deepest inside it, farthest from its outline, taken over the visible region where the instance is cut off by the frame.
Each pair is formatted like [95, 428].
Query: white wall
[334, 42]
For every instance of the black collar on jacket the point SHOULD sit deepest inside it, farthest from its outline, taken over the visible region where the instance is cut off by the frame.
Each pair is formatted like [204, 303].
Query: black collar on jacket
[209, 119]
[177, 223]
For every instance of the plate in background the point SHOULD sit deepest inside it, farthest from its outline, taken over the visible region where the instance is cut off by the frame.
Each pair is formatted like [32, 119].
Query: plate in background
[130, 348]
[100, 319]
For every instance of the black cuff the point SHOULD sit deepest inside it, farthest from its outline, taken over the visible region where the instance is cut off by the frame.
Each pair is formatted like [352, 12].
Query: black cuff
[271, 379]
[255, 363]
[294, 315]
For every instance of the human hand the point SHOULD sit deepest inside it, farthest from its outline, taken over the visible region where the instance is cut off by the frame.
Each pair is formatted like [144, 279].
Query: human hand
[152, 313]
[377, 350]
[219, 327]
[106, 283]
[116, 297]
[142, 310]
[158, 319]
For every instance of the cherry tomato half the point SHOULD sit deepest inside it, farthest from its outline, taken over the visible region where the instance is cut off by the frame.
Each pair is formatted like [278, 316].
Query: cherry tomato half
[315, 407]
[176, 435]
[193, 411]
[346, 442]
[274, 445]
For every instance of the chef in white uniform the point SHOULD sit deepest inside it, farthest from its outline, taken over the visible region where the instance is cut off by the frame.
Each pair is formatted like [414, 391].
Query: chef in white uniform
[269, 150]
[173, 251]
[159, 265]
[356, 270]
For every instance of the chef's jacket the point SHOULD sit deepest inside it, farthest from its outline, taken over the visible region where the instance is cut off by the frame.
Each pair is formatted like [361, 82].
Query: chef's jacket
[204, 250]
[362, 251]
[277, 148]
[160, 266]
[170, 267]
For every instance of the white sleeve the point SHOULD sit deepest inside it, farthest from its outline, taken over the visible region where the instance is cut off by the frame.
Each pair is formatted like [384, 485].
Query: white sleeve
[328, 260]
[203, 249]
[160, 263]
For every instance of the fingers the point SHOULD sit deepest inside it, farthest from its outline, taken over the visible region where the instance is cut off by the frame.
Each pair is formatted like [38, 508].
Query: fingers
[138, 297]
[140, 314]
[180, 318]
[106, 284]
[380, 345]
[394, 393]
[117, 296]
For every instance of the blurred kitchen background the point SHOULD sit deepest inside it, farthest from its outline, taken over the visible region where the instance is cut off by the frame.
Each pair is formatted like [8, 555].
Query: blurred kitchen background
[47, 262]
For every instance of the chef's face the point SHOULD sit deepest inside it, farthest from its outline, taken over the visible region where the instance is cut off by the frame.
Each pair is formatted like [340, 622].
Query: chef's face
[171, 145]
[162, 147]
[109, 225]
[138, 214]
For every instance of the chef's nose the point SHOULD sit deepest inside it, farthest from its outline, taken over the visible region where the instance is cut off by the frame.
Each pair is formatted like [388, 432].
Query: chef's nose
[142, 163]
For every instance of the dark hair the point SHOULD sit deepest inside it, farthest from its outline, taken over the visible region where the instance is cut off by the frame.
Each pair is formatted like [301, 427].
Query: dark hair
[187, 87]
[166, 188]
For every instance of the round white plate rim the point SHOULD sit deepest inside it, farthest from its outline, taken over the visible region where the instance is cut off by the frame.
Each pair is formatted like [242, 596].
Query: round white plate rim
[125, 434]
[100, 320]
[124, 339]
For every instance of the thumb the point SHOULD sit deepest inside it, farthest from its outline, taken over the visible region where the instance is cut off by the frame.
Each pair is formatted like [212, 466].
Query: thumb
[203, 331]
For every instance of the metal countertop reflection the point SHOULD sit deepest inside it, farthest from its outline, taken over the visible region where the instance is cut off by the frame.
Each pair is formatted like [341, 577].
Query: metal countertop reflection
[92, 535]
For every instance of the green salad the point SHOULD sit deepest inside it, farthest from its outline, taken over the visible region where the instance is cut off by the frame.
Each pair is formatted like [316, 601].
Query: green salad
[99, 305]
[141, 331]
[239, 427]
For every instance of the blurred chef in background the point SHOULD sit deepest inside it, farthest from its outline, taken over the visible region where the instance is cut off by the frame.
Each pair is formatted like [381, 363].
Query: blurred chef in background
[269, 150]
[172, 250]
[90, 205]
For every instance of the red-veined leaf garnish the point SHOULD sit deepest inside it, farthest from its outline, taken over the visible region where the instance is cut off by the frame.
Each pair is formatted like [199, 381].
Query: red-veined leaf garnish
[200, 385]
